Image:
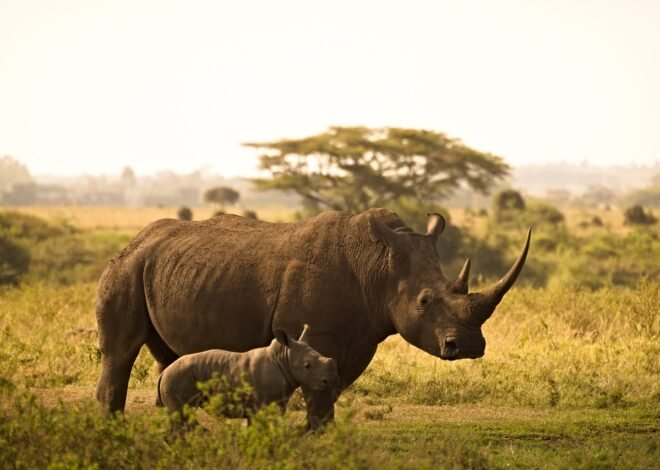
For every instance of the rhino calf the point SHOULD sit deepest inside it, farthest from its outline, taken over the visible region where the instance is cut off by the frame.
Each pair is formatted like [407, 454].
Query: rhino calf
[273, 372]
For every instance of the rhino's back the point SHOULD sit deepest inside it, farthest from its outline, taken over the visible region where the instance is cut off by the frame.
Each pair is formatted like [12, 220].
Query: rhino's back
[215, 283]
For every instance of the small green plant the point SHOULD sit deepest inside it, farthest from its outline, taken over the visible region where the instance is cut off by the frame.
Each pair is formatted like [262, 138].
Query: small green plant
[553, 393]
[378, 413]
[222, 398]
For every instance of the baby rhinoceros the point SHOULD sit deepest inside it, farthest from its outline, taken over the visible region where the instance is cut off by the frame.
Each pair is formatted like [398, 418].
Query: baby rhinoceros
[273, 373]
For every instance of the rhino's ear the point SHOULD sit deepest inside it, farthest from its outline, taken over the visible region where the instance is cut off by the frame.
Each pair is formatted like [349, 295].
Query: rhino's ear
[379, 232]
[281, 337]
[435, 224]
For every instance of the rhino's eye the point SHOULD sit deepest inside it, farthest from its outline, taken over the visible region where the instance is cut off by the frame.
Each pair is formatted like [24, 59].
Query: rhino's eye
[425, 298]
[307, 365]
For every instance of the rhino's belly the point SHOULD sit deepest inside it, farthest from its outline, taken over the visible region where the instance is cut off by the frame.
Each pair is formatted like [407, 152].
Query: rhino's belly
[197, 308]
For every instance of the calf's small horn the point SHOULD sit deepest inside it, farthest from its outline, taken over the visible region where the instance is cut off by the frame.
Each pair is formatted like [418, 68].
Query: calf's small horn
[303, 335]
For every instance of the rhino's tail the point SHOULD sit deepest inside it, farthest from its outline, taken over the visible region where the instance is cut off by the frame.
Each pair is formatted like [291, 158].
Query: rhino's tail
[159, 400]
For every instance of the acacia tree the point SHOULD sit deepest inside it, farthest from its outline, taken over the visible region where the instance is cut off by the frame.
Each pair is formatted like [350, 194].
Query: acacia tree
[221, 195]
[354, 168]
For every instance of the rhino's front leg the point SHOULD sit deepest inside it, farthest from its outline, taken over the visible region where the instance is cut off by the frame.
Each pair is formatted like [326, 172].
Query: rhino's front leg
[320, 407]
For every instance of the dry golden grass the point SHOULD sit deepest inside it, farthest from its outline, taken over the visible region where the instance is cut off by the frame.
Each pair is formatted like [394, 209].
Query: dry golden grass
[134, 218]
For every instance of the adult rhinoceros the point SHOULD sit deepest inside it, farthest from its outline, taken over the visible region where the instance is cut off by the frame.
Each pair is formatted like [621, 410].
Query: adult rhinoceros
[226, 283]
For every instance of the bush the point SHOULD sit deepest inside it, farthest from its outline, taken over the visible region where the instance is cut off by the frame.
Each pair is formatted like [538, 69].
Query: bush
[250, 214]
[35, 249]
[33, 435]
[184, 213]
[79, 257]
[34, 229]
[636, 215]
[506, 201]
[14, 260]
[608, 259]
[545, 213]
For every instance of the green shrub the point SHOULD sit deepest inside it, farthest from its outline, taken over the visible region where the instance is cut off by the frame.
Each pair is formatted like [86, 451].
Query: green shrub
[508, 199]
[31, 228]
[636, 215]
[507, 204]
[608, 259]
[34, 249]
[14, 260]
[78, 257]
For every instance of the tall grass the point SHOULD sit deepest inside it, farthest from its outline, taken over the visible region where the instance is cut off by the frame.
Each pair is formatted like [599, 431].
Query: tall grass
[552, 347]
[571, 377]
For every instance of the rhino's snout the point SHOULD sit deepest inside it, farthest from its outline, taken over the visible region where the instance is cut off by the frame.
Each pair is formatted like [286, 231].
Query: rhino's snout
[332, 377]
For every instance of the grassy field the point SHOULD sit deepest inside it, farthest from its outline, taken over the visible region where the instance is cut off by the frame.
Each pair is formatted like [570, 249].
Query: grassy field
[134, 218]
[571, 378]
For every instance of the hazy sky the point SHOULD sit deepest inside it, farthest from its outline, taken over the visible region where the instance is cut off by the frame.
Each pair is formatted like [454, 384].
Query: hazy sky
[92, 85]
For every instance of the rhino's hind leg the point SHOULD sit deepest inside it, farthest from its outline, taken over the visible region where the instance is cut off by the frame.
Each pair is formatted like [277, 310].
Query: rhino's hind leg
[123, 329]
[112, 387]
[162, 353]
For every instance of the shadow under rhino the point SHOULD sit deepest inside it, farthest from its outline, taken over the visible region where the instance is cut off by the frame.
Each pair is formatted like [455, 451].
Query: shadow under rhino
[182, 287]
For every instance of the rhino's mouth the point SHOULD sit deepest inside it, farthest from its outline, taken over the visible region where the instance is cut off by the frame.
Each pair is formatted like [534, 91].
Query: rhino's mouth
[448, 349]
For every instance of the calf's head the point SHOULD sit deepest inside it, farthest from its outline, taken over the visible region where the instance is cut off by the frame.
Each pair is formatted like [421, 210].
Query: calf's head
[430, 311]
[306, 365]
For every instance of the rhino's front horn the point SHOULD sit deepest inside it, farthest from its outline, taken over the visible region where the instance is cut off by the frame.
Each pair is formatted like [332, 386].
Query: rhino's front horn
[484, 302]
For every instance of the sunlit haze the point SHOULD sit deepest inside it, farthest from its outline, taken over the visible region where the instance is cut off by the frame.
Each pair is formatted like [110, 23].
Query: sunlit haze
[91, 86]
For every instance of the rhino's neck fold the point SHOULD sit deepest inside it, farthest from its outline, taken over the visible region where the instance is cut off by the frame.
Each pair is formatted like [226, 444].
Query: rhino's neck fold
[281, 356]
[368, 260]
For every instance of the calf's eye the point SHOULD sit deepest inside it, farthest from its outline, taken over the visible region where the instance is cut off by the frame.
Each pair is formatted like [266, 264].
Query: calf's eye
[307, 365]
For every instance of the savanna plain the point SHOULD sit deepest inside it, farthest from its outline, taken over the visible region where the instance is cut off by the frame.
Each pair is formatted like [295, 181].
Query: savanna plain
[570, 378]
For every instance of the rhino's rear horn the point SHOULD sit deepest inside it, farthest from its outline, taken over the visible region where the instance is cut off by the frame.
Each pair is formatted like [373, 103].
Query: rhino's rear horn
[460, 285]
[435, 224]
[484, 303]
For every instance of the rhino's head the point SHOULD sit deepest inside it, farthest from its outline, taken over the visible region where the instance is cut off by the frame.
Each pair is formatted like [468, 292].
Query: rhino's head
[427, 309]
[306, 365]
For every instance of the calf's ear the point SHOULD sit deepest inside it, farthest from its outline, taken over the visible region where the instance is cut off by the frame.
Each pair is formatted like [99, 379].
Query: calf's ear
[281, 336]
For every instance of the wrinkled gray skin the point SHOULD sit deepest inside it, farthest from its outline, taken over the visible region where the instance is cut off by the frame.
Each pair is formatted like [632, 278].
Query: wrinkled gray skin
[273, 372]
[182, 287]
